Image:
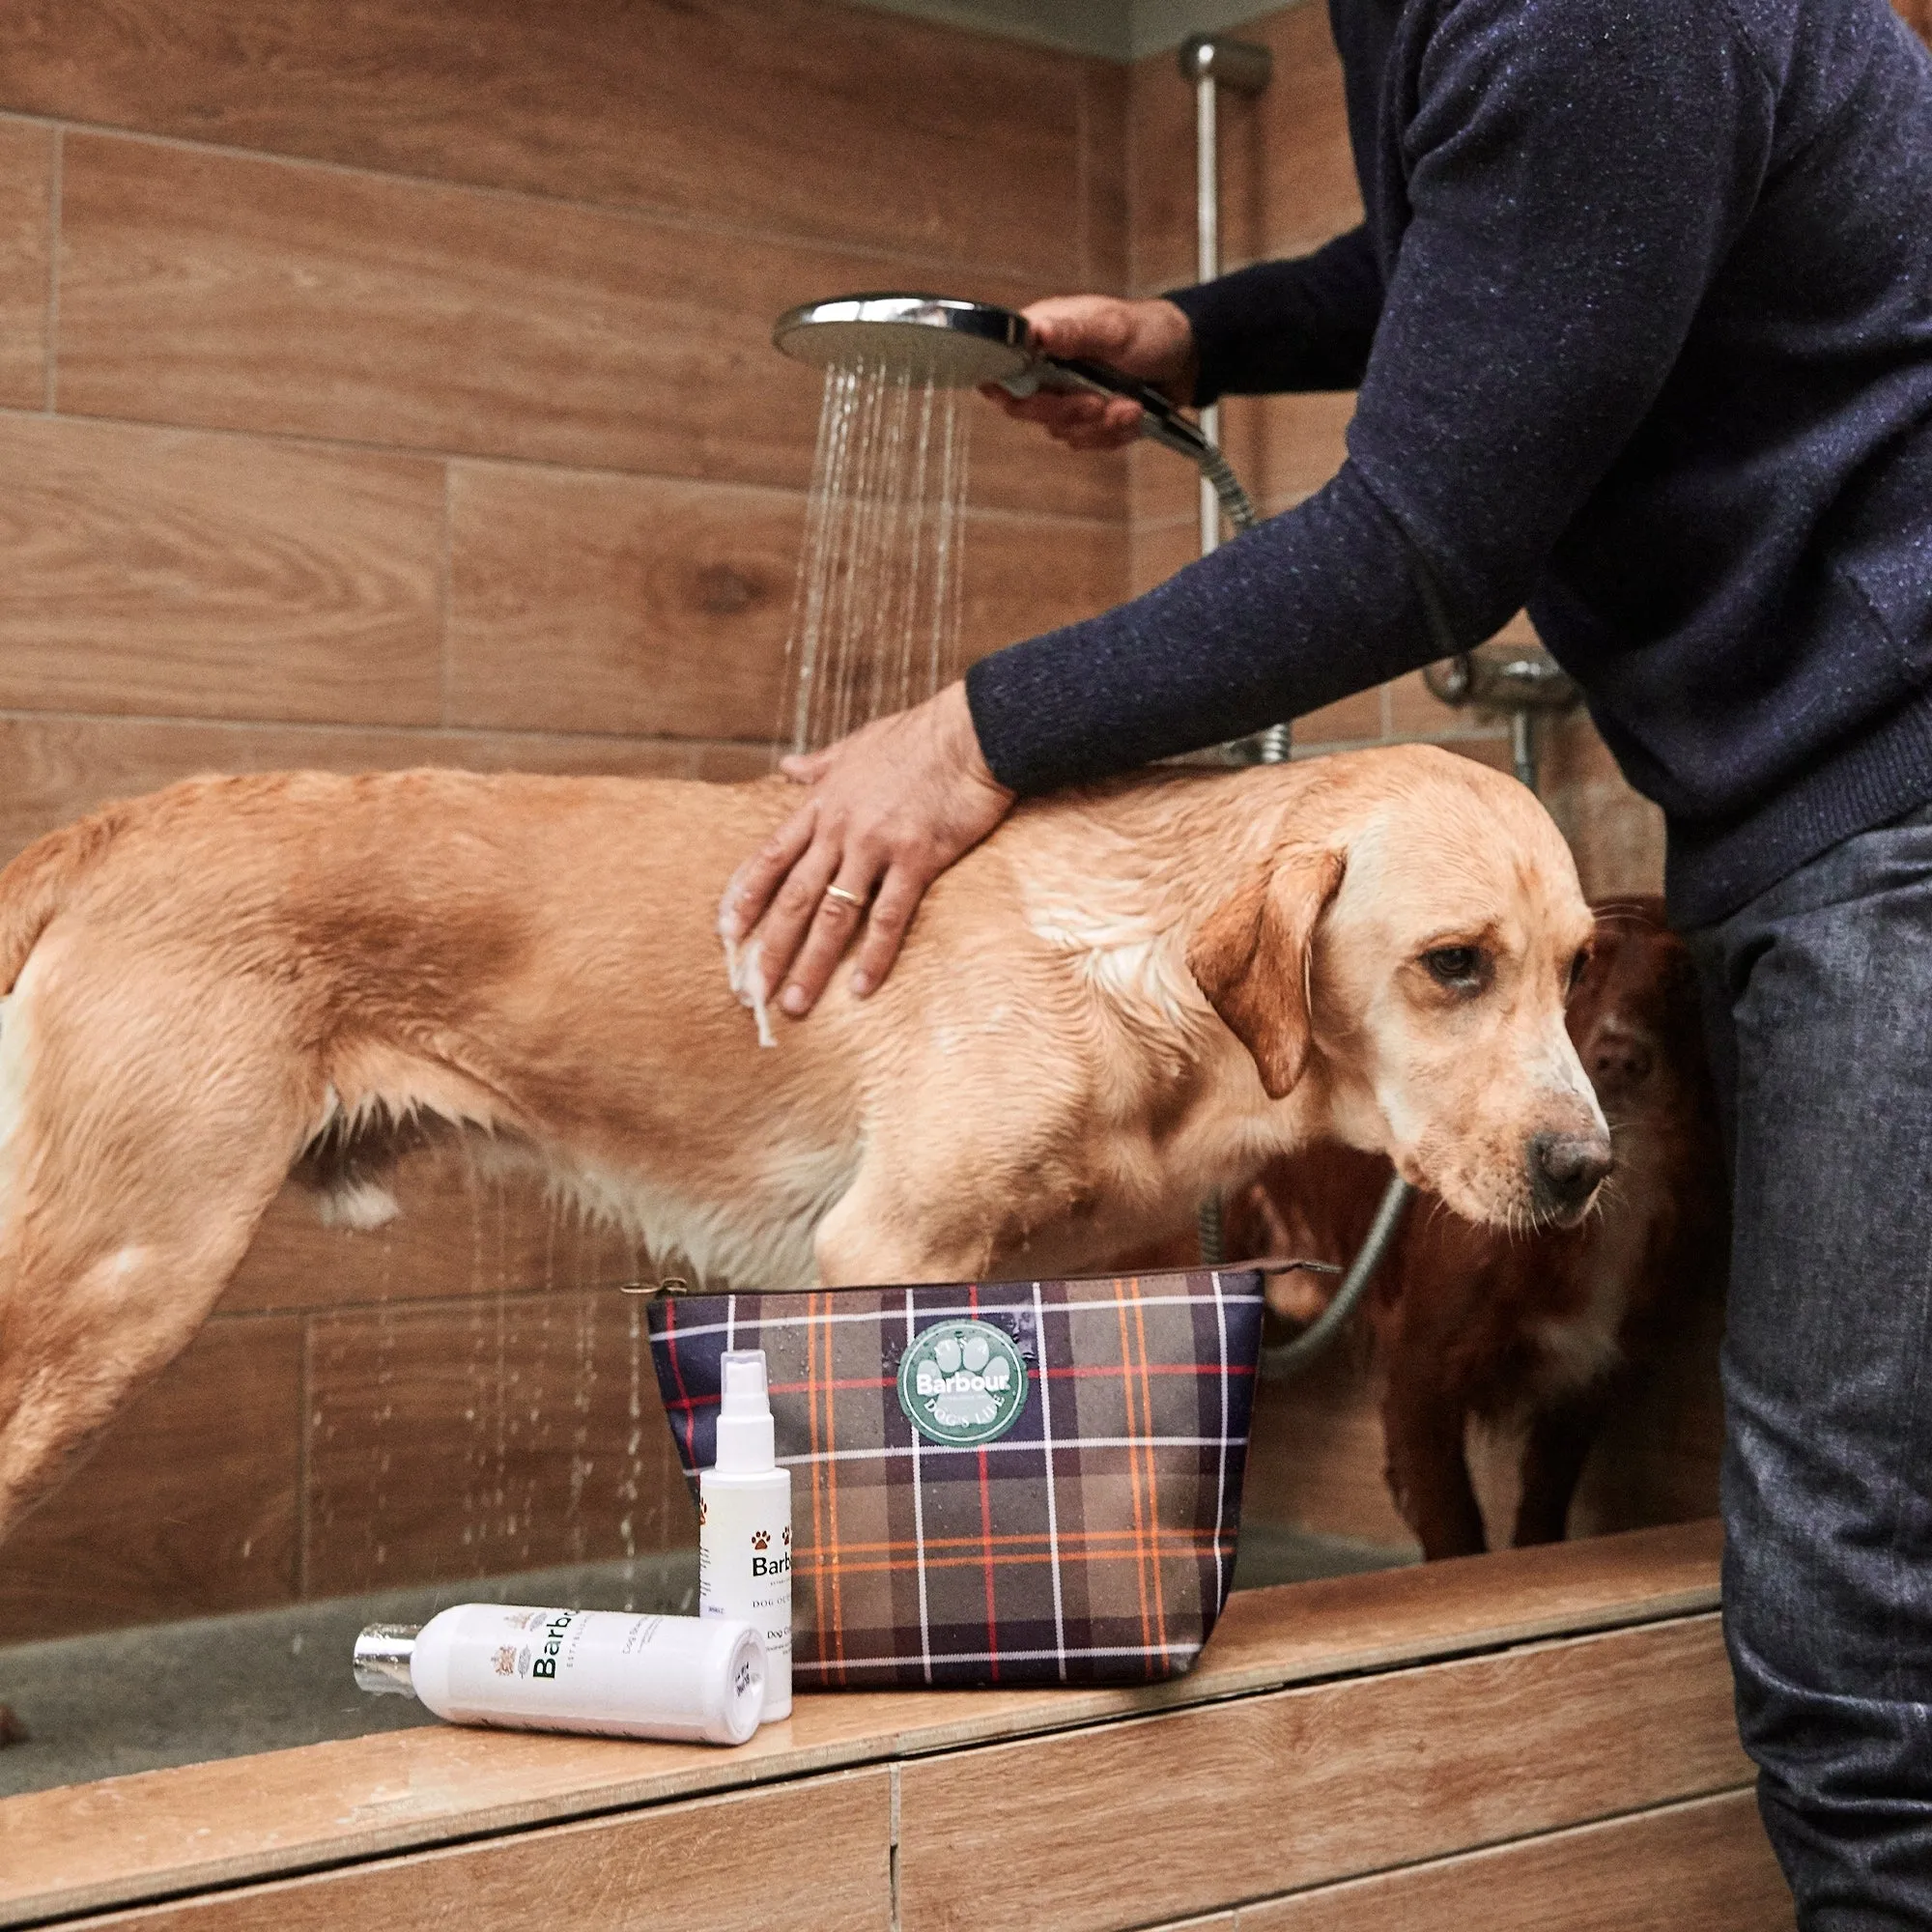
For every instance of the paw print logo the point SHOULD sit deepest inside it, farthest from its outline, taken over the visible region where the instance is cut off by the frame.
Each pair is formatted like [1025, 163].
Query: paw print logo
[954, 1353]
[784, 1537]
[505, 1661]
[704, 1512]
[962, 1382]
[761, 1539]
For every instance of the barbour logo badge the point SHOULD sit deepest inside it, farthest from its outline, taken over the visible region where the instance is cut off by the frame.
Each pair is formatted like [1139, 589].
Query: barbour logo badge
[962, 1384]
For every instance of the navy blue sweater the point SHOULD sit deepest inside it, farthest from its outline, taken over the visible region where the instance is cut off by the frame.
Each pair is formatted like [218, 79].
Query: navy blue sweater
[1641, 321]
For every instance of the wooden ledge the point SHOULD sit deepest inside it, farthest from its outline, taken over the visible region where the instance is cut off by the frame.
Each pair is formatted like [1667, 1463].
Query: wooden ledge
[163, 1834]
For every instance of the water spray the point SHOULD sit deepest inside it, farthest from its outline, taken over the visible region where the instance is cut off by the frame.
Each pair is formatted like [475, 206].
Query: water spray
[964, 345]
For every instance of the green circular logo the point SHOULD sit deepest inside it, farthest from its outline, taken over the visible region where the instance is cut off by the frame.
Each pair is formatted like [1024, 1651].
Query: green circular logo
[961, 1384]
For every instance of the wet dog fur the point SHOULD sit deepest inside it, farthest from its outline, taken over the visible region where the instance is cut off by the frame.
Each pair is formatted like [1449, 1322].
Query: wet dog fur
[1123, 998]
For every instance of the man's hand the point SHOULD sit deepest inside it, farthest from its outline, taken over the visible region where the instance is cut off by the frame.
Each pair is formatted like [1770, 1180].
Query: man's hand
[1152, 339]
[888, 810]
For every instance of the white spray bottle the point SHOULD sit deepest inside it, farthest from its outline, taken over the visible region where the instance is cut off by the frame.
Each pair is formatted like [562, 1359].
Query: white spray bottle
[744, 1524]
[605, 1672]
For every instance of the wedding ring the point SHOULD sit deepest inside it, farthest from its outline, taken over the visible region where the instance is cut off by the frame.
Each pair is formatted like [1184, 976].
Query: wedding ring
[845, 897]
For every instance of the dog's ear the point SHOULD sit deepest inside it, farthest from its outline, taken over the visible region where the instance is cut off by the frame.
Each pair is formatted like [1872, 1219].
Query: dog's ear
[1251, 959]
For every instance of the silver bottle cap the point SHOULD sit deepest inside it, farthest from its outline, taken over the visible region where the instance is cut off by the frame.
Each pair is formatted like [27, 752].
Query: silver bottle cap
[383, 1654]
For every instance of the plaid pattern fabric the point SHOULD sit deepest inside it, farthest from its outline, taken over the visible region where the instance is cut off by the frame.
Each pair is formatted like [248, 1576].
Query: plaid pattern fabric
[1091, 1543]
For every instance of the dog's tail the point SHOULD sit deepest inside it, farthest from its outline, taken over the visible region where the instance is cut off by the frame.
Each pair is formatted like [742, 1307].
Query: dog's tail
[36, 884]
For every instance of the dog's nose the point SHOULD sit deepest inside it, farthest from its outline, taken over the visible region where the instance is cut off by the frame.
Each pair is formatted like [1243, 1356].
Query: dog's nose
[1564, 1170]
[1619, 1061]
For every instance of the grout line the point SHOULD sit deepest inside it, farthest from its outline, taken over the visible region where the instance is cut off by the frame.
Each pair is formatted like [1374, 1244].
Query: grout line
[454, 733]
[328, 445]
[52, 324]
[516, 1296]
[656, 215]
[893, 1850]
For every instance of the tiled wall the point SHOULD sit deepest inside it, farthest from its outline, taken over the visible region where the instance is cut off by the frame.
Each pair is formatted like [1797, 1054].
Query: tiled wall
[321, 324]
[383, 385]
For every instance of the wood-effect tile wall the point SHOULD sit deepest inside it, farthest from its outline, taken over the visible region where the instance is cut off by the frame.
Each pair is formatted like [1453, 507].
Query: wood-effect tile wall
[384, 384]
[406, 369]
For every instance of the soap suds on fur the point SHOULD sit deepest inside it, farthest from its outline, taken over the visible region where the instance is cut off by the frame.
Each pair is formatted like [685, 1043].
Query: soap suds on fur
[744, 973]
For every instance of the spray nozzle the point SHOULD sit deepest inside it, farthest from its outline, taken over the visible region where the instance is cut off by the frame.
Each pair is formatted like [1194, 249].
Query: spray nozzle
[745, 1445]
[744, 1385]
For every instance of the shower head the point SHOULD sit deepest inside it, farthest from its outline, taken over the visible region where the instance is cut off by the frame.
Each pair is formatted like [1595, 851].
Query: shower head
[957, 345]
[960, 345]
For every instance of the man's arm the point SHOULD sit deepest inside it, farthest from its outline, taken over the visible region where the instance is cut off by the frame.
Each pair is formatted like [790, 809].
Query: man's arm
[1576, 175]
[1306, 324]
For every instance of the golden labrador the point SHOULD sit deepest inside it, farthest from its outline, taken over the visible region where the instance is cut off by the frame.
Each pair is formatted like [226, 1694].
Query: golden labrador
[1126, 997]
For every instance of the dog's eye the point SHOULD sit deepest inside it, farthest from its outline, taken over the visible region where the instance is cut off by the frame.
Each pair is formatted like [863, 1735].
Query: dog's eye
[1577, 966]
[1458, 967]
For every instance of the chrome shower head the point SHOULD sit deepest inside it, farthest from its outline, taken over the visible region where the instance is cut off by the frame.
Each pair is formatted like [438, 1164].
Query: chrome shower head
[960, 345]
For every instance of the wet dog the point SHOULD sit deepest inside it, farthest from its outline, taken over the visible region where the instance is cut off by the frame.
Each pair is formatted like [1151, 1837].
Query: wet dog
[1123, 996]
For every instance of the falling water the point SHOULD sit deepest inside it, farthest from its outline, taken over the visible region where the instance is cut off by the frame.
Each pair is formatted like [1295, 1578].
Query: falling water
[877, 609]
[386, 1405]
[483, 1388]
[582, 1392]
[627, 1493]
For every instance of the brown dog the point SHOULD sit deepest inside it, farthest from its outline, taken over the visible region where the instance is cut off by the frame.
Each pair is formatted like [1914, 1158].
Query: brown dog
[1533, 1329]
[1118, 1000]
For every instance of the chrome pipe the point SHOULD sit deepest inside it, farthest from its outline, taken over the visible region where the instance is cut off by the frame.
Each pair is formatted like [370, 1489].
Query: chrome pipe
[1211, 62]
[1207, 261]
[1520, 682]
[1522, 747]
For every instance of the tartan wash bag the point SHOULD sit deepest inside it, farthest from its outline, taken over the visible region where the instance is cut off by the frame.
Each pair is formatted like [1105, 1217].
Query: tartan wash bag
[1018, 1483]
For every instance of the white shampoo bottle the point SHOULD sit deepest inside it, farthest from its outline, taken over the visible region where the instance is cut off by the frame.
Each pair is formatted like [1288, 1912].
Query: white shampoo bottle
[607, 1672]
[744, 1524]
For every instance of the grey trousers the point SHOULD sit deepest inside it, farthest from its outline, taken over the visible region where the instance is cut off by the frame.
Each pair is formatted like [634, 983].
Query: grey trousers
[1818, 997]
